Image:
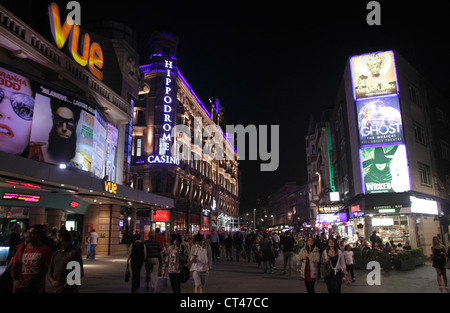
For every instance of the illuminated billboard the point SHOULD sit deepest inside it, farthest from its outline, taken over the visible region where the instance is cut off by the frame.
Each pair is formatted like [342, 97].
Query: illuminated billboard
[325, 218]
[48, 125]
[384, 169]
[374, 74]
[379, 120]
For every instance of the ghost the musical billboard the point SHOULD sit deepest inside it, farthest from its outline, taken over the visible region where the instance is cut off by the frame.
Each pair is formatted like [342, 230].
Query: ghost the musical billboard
[379, 120]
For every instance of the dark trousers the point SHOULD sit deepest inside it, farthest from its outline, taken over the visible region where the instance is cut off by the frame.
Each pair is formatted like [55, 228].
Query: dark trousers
[215, 250]
[334, 282]
[310, 286]
[175, 282]
[136, 275]
[350, 270]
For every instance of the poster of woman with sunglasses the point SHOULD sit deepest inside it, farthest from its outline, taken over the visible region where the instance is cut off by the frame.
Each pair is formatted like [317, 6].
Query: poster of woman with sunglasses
[16, 112]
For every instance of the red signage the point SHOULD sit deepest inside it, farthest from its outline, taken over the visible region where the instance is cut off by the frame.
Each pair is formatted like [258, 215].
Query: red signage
[355, 208]
[161, 216]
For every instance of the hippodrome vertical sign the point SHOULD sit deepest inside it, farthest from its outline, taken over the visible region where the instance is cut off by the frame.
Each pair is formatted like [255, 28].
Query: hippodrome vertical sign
[167, 109]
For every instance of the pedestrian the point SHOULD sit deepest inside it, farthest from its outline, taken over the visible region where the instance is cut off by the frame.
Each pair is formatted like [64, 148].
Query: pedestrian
[14, 241]
[215, 244]
[334, 256]
[287, 247]
[94, 240]
[297, 248]
[238, 242]
[88, 254]
[257, 250]
[309, 271]
[438, 254]
[174, 259]
[201, 258]
[248, 246]
[349, 260]
[229, 247]
[268, 253]
[153, 259]
[59, 271]
[30, 263]
[136, 259]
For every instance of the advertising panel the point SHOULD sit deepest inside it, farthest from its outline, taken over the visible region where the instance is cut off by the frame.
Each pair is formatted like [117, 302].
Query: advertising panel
[384, 169]
[373, 74]
[332, 218]
[47, 125]
[379, 120]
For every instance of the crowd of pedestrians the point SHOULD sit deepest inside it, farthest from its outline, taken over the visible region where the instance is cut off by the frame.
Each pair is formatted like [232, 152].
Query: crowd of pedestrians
[41, 257]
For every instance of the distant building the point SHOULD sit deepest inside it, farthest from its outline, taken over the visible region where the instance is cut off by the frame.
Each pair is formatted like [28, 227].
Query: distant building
[390, 163]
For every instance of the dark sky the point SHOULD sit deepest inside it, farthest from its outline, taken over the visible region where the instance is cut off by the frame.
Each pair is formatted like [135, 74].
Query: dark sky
[276, 62]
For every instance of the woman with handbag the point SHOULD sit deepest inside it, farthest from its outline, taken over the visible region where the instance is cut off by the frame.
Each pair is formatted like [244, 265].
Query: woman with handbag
[309, 269]
[333, 267]
[201, 258]
[174, 259]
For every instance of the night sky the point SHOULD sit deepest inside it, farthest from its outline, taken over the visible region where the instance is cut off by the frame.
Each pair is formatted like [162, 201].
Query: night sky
[276, 63]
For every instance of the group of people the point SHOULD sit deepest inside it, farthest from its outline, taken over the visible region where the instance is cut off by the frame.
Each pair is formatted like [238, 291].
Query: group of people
[39, 257]
[176, 258]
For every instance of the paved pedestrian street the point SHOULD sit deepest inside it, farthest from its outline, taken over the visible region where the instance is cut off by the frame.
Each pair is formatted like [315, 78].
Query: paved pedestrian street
[106, 275]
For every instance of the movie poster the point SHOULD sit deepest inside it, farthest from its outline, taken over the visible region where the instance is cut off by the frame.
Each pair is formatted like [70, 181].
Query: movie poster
[17, 107]
[374, 74]
[62, 130]
[385, 169]
[379, 120]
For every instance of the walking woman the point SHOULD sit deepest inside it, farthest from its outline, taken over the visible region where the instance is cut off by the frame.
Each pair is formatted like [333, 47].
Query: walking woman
[438, 254]
[136, 258]
[309, 271]
[174, 258]
[335, 257]
[201, 257]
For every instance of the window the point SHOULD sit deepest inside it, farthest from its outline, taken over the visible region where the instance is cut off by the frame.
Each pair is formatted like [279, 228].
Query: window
[425, 174]
[445, 150]
[413, 94]
[420, 134]
[140, 184]
[138, 146]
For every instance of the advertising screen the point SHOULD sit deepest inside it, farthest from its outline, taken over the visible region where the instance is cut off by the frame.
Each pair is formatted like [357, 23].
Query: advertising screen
[48, 125]
[385, 169]
[332, 218]
[373, 74]
[379, 120]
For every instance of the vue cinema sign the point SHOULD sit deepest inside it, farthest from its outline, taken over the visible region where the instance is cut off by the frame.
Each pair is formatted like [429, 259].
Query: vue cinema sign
[91, 54]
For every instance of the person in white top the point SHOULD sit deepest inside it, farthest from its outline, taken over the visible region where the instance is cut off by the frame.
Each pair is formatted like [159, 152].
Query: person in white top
[335, 257]
[94, 239]
[349, 260]
[201, 257]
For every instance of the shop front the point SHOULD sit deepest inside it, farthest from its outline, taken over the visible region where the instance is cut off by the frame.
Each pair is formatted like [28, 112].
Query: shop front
[397, 218]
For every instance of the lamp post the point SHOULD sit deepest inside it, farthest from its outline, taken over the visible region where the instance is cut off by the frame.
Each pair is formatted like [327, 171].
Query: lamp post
[254, 218]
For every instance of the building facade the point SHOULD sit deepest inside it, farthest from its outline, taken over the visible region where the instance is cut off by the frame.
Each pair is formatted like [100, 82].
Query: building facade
[66, 123]
[205, 189]
[388, 154]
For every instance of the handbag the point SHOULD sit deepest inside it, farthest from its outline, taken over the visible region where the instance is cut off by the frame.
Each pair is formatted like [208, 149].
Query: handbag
[127, 273]
[161, 285]
[325, 269]
[244, 254]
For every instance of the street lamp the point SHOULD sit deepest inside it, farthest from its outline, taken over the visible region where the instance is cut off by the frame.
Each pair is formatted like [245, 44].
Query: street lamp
[254, 218]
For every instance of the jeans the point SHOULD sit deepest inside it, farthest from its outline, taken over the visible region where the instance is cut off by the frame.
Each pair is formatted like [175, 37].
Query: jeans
[151, 270]
[92, 254]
